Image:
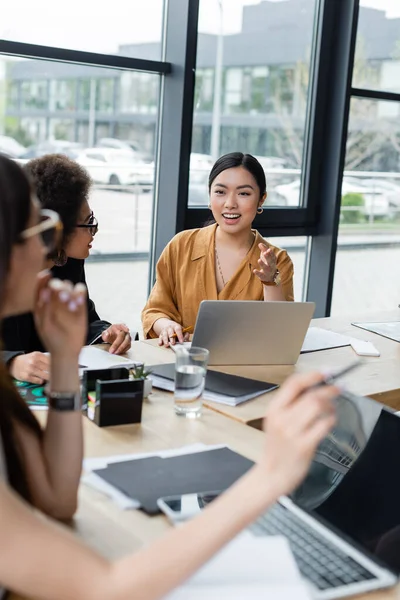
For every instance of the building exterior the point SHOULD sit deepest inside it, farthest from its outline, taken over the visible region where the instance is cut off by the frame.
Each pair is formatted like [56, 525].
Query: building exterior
[265, 75]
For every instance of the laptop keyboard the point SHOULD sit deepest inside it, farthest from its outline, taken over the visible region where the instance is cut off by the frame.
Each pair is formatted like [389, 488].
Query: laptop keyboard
[325, 565]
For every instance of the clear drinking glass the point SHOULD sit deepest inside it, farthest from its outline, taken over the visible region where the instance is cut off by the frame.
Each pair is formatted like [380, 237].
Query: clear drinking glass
[190, 372]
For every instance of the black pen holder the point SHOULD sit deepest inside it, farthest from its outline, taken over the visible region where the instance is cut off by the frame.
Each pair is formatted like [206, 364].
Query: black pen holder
[112, 399]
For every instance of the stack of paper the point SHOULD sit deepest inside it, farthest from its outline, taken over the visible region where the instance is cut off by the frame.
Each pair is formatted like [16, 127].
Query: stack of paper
[249, 567]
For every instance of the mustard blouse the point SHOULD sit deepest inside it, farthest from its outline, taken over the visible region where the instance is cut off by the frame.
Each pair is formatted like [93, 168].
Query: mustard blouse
[186, 276]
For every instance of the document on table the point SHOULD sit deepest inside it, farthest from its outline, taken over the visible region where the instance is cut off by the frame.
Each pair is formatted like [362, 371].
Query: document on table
[318, 338]
[123, 501]
[219, 387]
[390, 330]
[95, 358]
[249, 567]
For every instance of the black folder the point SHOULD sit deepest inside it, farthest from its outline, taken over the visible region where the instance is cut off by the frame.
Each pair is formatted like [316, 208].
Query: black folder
[219, 387]
[148, 479]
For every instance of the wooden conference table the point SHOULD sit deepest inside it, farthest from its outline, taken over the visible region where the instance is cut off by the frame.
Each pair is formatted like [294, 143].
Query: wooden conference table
[379, 378]
[114, 532]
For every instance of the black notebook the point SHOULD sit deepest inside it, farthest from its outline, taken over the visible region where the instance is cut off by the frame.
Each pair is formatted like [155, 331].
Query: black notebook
[148, 479]
[219, 387]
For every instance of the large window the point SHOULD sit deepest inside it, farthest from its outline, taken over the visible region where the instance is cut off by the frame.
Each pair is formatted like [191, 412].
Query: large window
[76, 110]
[251, 90]
[377, 60]
[367, 262]
[368, 255]
[129, 29]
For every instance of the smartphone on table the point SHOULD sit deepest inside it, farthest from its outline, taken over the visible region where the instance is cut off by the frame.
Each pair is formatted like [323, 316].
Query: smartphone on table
[182, 507]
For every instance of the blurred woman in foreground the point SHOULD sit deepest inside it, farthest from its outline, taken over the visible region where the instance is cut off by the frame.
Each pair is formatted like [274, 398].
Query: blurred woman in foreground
[38, 558]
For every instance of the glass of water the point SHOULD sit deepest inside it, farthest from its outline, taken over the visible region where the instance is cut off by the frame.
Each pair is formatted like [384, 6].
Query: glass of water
[190, 373]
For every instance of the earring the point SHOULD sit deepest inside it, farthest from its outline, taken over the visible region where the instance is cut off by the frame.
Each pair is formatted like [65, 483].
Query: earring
[260, 210]
[209, 206]
[60, 259]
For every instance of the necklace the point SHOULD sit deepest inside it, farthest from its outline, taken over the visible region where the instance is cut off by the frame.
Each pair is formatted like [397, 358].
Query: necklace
[219, 266]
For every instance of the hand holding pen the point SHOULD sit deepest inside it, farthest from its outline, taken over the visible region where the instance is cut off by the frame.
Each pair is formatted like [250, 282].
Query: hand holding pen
[300, 416]
[172, 332]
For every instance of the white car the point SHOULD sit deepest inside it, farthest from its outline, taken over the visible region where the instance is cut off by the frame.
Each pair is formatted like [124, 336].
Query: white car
[200, 167]
[11, 147]
[377, 203]
[114, 167]
[132, 147]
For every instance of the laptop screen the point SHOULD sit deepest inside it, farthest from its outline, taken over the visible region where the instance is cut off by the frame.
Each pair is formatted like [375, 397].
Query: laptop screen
[354, 480]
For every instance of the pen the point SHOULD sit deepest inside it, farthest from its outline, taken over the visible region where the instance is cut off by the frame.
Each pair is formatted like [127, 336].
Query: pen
[185, 330]
[330, 379]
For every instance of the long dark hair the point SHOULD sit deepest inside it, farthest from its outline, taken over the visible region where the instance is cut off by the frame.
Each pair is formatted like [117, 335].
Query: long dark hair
[231, 161]
[15, 207]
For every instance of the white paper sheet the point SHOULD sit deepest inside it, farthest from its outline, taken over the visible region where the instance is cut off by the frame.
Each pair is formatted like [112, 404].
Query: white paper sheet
[323, 339]
[249, 567]
[96, 358]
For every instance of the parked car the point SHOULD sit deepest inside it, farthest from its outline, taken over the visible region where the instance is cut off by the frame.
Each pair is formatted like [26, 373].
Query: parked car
[50, 147]
[108, 166]
[383, 186]
[11, 147]
[376, 203]
[128, 145]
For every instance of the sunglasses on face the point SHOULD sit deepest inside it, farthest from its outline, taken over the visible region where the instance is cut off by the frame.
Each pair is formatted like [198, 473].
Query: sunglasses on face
[49, 227]
[92, 225]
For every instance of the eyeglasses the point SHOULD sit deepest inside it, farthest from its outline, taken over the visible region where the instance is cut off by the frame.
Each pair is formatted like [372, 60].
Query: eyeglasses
[92, 225]
[50, 228]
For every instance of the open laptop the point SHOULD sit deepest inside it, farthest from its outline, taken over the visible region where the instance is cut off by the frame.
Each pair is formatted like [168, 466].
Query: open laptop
[245, 332]
[343, 522]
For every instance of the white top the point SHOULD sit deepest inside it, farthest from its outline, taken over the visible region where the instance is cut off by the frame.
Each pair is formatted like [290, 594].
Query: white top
[3, 475]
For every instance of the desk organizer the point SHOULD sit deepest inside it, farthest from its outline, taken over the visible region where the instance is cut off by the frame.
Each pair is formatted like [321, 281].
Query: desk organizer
[112, 398]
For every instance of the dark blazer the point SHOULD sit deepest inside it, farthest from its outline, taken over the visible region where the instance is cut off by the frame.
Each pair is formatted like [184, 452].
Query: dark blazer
[19, 334]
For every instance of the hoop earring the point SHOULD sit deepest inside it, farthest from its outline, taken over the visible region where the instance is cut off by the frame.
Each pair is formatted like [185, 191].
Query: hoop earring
[260, 210]
[60, 259]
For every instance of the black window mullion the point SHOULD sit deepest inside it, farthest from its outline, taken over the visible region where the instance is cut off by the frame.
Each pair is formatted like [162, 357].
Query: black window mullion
[86, 58]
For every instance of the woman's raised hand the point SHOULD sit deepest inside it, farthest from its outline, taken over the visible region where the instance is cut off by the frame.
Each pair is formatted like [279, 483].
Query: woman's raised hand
[266, 264]
[61, 315]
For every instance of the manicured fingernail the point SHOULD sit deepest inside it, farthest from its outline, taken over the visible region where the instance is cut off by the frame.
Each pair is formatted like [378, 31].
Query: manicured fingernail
[64, 296]
[56, 284]
[45, 295]
[80, 288]
[72, 306]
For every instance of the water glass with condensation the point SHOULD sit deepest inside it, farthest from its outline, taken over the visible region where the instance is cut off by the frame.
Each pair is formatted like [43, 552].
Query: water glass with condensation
[190, 373]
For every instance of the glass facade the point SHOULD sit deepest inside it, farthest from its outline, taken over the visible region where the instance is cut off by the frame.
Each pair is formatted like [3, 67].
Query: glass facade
[262, 88]
[252, 90]
[81, 112]
[369, 234]
[87, 26]
[377, 60]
